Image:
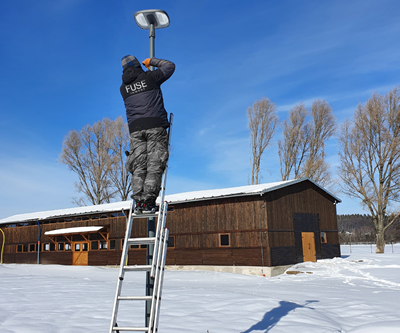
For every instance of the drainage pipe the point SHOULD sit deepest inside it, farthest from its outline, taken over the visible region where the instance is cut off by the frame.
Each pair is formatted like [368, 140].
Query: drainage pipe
[2, 247]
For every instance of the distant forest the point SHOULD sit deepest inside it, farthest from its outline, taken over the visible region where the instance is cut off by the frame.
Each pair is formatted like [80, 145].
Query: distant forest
[362, 229]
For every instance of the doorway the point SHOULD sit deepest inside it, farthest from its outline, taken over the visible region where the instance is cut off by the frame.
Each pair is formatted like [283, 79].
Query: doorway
[80, 253]
[308, 242]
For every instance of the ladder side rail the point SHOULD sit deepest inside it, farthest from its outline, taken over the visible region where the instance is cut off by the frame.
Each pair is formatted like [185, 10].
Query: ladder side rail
[164, 177]
[161, 281]
[154, 297]
[121, 269]
[157, 279]
[161, 212]
[160, 227]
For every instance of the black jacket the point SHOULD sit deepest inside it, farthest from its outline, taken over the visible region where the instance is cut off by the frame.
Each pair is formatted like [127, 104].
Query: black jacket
[143, 97]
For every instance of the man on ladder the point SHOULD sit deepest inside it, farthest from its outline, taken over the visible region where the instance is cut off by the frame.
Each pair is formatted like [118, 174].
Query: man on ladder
[148, 123]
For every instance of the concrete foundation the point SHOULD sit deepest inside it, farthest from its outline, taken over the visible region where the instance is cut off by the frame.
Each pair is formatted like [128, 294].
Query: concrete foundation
[247, 270]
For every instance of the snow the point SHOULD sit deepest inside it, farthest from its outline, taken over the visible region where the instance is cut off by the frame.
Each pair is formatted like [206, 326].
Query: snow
[75, 230]
[356, 293]
[172, 199]
[111, 207]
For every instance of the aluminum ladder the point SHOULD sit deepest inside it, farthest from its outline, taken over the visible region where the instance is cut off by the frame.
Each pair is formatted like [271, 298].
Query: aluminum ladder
[155, 269]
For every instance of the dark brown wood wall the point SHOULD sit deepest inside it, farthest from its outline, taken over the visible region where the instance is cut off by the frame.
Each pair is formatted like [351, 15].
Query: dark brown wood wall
[303, 197]
[283, 204]
[196, 227]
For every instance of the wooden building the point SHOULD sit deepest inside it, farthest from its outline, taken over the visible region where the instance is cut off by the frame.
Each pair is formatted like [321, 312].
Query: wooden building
[259, 226]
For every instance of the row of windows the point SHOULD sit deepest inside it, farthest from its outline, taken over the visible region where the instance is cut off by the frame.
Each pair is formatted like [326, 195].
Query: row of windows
[82, 246]
[224, 240]
[46, 247]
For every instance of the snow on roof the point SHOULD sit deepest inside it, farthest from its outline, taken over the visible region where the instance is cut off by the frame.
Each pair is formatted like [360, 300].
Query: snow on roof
[258, 189]
[111, 207]
[76, 230]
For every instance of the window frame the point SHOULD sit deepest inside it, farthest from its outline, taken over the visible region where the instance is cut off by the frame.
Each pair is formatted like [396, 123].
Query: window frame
[220, 239]
[173, 242]
[324, 238]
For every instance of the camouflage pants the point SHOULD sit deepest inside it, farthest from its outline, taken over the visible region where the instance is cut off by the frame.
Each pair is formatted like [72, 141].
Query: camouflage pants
[147, 160]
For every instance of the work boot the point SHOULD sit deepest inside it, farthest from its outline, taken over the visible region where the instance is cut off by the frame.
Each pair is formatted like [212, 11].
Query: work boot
[149, 207]
[138, 208]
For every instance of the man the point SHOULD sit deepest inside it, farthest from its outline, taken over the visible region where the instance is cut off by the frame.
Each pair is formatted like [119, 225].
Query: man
[148, 123]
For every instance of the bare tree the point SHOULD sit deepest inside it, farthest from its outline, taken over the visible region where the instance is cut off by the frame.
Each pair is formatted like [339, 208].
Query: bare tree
[302, 149]
[119, 176]
[370, 159]
[293, 147]
[262, 123]
[93, 154]
[323, 126]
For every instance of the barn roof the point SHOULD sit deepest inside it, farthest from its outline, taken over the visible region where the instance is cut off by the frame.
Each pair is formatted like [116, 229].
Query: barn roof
[258, 189]
[240, 191]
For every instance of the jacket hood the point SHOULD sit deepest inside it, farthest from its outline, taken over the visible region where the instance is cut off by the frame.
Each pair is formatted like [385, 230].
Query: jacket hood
[130, 74]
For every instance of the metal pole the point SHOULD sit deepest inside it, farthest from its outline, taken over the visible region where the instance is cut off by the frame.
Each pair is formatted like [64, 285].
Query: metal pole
[152, 36]
[151, 222]
[151, 232]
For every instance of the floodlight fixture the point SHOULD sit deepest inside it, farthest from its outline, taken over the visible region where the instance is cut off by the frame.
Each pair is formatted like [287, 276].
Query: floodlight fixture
[152, 19]
[156, 17]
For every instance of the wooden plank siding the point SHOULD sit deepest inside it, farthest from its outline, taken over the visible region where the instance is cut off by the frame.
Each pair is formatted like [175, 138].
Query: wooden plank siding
[261, 231]
[283, 204]
[196, 228]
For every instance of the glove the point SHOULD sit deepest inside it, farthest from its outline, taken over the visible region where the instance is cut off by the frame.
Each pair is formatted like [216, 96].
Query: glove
[146, 63]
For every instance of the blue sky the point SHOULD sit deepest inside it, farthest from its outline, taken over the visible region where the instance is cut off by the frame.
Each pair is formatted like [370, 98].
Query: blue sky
[60, 70]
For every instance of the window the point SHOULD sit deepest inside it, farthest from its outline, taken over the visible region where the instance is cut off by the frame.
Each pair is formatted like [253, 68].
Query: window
[134, 246]
[224, 240]
[323, 238]
[112, 244]
[46, 247]
[67, 247]
[85, 246]
[171, 241]
[60, 246]
[25, 248]
[94, 245]
[52, 247]
[19, 248]
[103, 245]
[32, 247]
[77, 247]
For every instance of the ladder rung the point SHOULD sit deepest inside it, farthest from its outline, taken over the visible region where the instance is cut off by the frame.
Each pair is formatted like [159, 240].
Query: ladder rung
[136, 329]
[144, 240]
[138, 268]
[141, 216]
[134, 298]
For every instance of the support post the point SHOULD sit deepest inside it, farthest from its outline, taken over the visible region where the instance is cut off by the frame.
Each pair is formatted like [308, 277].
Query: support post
[151, 222]
[38, 245]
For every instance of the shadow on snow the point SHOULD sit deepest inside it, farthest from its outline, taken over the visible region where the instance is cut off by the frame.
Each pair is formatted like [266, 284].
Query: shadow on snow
[272, 317]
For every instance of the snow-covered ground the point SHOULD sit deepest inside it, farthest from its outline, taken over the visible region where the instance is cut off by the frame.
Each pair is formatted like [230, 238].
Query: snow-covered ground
[359, 292]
